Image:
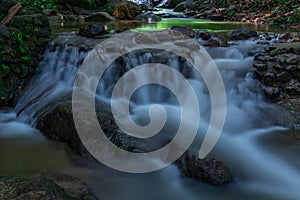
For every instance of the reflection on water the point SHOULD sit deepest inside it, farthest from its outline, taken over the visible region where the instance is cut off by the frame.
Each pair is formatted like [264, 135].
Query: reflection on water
[168, 23]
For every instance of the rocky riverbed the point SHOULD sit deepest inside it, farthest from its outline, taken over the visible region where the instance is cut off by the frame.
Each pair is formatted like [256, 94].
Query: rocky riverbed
[277, 67]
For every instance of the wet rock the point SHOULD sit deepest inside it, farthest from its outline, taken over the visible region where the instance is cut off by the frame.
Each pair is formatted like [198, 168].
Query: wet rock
[292, 59]
[271, 92]
[278, 69]
[262, 67]
[205, 35]
[293, 87]
[185, 30]
[58, 124]
[72, 186]
[148, 16]
[243, 34]
[268, 78]
[213, 42]
[189, 4]
[126, 10]
[92, 30]
[208, 170]
[99, 16]
[35, 189]
[216, 17]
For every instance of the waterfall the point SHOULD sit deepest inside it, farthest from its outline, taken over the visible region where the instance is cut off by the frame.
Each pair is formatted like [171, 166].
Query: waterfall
[260, 173]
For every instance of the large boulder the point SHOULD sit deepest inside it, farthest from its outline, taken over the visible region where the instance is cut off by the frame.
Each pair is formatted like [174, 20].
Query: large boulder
[126, 10]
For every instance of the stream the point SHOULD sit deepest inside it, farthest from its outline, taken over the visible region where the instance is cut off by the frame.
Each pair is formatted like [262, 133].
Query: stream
[263, 162]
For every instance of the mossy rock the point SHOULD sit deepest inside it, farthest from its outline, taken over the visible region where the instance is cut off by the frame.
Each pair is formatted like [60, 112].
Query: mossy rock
[126, 10]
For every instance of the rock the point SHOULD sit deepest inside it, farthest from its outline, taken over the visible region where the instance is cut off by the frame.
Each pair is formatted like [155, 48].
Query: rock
[293, 87]
[58, 124]
[72, 186]
[286, 36]
[4, 32]
[205, 35]
[262, 67]
[126, 10]
[189, 4]
[185, 30]
[99, 16]
[243, 34]
[148, 16]
[208, 170]
[271, 92]
[213, 42]
[216, 17]
[35, 188]
[269, 78]
[190, 13]
[292, 59]
[92, 30]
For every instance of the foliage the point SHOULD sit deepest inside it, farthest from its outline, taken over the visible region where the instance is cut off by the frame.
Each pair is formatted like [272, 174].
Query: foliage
[109, 8]
[41, 4]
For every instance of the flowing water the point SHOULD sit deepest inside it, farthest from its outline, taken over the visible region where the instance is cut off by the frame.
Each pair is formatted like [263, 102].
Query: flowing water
[260, 171]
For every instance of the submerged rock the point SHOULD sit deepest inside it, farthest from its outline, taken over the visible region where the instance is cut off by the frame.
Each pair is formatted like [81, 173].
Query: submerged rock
[208, 170]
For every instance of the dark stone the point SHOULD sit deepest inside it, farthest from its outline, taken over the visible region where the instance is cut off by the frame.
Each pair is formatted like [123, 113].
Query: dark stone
[208, 170]
[4, 32]
[34, 188]
[185, 30]
[290, 68]
[148, 17]
[292, 59]
[203, 35]
[216, 17]
[271, 92]
[93, 30]
[243, 34]
[213, 42]
[262, 67]
[268, 78]
[293, 87]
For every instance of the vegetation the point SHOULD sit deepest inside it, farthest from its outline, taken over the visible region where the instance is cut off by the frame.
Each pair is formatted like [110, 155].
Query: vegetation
[41, 4]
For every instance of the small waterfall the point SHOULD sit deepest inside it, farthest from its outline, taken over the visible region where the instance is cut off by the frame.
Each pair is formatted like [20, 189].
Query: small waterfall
[255, 167]
[55, 80]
